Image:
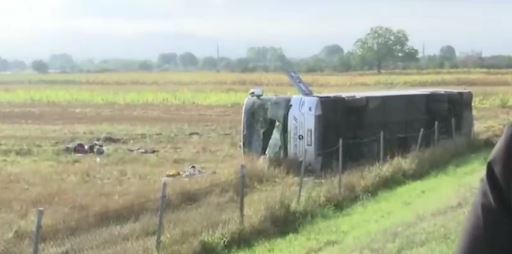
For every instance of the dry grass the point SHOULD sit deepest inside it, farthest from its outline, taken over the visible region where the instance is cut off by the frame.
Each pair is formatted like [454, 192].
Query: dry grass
[111, 207]
[81, 196]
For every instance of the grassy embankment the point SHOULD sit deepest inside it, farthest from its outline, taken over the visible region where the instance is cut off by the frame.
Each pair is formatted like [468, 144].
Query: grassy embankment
[426, 216]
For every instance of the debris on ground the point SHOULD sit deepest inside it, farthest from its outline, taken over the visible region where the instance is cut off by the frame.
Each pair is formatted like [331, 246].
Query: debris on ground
[191, 171]
[173, 173]
[194, 133]
[143, 150]
[82, 149]
[99, 151]
[110, 139]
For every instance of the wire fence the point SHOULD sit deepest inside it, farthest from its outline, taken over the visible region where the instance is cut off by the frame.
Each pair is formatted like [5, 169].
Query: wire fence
[376, 145]
[381, 145]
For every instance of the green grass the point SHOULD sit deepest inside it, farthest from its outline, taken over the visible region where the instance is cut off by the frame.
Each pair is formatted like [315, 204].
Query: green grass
[421, 217]
[209, 96]
[223, 89]
[491, 88]
[105, 96]
[462, 77]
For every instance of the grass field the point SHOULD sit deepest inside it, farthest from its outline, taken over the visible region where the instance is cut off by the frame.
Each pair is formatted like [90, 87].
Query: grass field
[421, 217]
[225, 89]
[191, 118]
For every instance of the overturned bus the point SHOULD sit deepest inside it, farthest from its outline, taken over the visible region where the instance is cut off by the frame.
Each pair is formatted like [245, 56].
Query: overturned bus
[308, 127]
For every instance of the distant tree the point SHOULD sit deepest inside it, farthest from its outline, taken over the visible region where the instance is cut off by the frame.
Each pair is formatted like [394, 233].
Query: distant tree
[225, 64]
[328, 58]
[145, 66]
[333, 51]
[117, 64]
[209, 63]
[267, 59]
[383, 44]
[498, 62]
[168, 59]
[447, 56]
[243, 65]
[430, 62]
[447, 53]
[312, 64]
[4, 65]
[40, 66]
[188, 60]
[346, 62]
[17, 65]
[471, 59]
[61, 62]
[86, 65]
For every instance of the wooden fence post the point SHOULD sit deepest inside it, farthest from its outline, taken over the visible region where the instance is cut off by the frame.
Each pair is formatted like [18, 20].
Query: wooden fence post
[436, 132]
[242, 194]
[381, 146]
[301, 181]
[340, 164]
[453, 128]
[420, 138]
[37, 231]
[161, 211]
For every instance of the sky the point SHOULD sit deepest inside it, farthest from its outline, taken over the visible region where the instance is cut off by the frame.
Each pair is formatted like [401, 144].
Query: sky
[142, 29]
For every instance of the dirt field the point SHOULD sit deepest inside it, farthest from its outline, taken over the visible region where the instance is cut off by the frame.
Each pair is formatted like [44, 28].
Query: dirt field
[48, 114]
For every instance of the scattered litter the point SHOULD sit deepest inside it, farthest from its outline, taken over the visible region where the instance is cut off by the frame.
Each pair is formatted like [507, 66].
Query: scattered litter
[110, 139]
[95, 145]
[191, 171]
[82, 149]
[173, 173]
[143, 150]
[99, 150]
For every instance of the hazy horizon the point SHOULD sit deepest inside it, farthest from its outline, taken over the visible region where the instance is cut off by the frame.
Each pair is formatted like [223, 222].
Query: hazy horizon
[143, 29]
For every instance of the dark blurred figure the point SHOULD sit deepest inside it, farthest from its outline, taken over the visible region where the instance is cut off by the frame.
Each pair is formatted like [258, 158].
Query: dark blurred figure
[489, 226]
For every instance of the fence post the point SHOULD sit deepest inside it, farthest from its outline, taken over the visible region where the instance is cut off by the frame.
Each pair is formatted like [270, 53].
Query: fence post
[436, 132]
[420, 138]
[301, 182]
[242, 194]
[340, 164]
[453, 127]
[163, 197]
[381, 146]
[37, 231]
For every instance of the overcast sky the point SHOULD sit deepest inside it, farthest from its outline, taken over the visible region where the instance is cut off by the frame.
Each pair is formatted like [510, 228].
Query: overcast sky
[32, 29]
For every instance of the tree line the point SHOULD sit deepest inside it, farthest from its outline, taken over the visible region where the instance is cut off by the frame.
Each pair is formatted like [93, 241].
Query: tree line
[382, 48]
